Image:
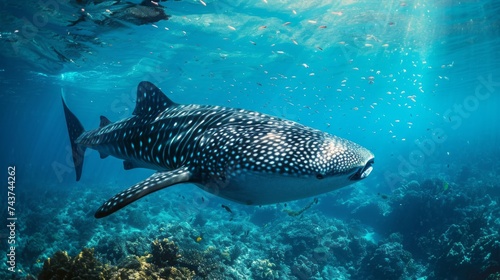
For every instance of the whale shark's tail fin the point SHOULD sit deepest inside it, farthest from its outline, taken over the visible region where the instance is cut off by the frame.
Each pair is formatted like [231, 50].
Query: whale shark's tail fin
[75, 129]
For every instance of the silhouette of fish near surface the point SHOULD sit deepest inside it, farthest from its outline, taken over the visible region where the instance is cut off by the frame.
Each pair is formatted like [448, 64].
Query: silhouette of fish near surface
[244, 156]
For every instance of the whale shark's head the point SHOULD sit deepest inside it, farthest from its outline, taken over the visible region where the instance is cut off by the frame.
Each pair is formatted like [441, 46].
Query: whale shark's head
[271, 163]
[337, 157]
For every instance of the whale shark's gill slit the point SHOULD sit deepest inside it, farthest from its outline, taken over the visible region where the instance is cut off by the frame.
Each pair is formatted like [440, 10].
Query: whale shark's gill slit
[364, 171]
[155, 182]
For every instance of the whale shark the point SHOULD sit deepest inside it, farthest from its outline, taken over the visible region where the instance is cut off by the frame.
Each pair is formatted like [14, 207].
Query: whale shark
[244, 156]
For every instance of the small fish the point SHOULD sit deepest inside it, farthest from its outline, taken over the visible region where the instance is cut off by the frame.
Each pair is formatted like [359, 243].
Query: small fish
[383, 196]
[227, 208]
[199, 239]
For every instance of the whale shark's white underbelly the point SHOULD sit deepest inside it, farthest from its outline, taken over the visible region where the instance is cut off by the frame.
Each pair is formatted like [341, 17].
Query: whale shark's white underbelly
[256, 188]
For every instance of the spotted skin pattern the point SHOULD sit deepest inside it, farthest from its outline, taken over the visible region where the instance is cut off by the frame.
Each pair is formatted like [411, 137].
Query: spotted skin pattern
[241, 155]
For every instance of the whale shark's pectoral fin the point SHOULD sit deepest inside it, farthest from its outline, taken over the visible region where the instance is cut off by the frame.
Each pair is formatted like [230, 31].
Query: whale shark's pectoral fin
[155, 182]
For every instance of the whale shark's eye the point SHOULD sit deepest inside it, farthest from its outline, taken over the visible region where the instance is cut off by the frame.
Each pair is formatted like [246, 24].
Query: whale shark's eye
[319, 176]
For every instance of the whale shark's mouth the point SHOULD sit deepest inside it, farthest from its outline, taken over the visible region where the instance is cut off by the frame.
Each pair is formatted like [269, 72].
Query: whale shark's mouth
[363, 172]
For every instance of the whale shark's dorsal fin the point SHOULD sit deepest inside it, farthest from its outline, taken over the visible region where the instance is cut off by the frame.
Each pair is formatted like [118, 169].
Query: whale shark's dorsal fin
[104, 122]
[150, 100]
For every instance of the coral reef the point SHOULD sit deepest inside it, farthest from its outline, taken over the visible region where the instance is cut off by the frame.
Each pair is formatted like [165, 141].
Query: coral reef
[82, 266]
[165, 252]
[304, 268]
[388, 261]
[264, 269]
[86, 266]
[206, 264]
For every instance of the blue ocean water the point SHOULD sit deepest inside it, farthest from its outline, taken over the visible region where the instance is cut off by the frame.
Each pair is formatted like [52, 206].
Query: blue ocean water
[416, 82]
